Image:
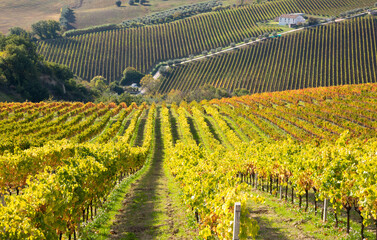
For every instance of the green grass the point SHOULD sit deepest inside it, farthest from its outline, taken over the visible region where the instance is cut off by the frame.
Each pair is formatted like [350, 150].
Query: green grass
[287, 218]
[187, 217]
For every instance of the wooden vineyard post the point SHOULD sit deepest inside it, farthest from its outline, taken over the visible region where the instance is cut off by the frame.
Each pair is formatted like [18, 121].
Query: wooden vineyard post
[256, 180]
[281, 191]
[325, 203]
[236, 222]
[2, 200]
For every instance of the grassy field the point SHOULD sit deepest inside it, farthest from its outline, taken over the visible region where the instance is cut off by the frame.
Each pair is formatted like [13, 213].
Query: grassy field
[23, 13]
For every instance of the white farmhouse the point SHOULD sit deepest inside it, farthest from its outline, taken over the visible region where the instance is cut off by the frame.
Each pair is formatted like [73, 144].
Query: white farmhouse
[291, 19]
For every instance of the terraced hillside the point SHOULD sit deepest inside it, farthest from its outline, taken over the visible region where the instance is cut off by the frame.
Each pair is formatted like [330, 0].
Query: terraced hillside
[330, 55]
[109, 53]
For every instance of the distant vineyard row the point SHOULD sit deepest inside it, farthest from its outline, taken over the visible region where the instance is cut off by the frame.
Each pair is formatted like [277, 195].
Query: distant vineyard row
[330, 55]
[108, 53]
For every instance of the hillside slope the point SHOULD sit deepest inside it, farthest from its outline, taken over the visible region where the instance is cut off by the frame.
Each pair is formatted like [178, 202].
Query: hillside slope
[109, 53]
[334, 54]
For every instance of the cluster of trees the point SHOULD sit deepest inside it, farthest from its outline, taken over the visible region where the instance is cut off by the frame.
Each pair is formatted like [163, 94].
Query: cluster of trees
[45, 29]
[24, 73]
[132, 2]
[67, 18]
[352, 12]
[173, 14]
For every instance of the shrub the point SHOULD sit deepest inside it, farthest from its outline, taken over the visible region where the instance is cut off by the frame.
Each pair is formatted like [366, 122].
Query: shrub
[118, 3]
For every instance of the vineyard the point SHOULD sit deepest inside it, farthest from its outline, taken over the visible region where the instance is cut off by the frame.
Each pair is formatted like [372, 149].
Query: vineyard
[303, 140]
[330, 55]
[108, 53]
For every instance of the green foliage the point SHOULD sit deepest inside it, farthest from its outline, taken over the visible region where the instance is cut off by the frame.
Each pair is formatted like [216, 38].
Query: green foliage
[313, 21]
[118, 3]
[241, 92]
[67, 17]
[19, 32]
[130, 76]
[131, 2]
[99, 83]
[128, 99]
[19, 66]
[114, 86]
[23, 72]
[98, 28]
[149, 84]
[46, 29]
[172, 14]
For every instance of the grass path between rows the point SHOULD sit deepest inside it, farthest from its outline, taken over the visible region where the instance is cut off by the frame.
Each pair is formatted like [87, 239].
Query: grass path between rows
[279, 219]
[151, 207]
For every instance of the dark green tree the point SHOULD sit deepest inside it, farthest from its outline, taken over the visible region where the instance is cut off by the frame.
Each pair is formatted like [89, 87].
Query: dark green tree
[19, 32]
[118, 3]
[46, 29]
[67, 18]
[114, 86]
[131, 75]
[313, 21]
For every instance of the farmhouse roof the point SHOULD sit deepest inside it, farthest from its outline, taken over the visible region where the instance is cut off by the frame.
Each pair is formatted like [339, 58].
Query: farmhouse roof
[294, 16]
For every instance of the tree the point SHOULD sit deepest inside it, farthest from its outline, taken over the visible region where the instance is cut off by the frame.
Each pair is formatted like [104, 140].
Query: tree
[99, 83]
[170, 62]
[46, 29]
[19, 32]
[149, 84]
[131, 75]
[175, 96]
[164, 71]
[313, 21]
[241, 92]
[118, 3]
[131, 2]
[114, 86]
[68, 14]
[67, 17]
[19, 67]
